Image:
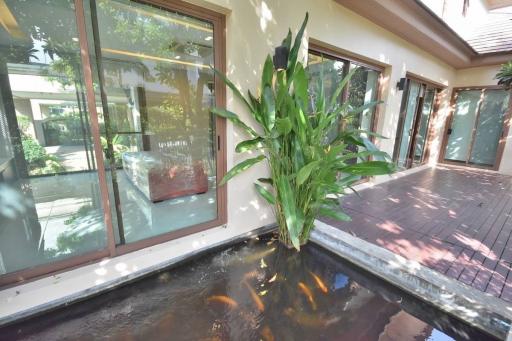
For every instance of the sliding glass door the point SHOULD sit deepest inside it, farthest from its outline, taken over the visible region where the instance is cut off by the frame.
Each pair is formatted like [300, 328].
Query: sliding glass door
[107, 140]
[50, 198]
[157, 89]
[476, 126]
[413, 126]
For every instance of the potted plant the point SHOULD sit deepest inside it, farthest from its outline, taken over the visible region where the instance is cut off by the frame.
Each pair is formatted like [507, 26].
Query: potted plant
[310, 168]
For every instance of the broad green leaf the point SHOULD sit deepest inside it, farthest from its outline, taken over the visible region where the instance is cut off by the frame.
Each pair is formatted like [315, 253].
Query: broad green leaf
[233, 88]
[369, 168]
[300, 85]
[364, 107]
[242, 166]
[267, 73]
[235, 119]
[348, 180]
[294, 52]
[283, 125]
[257, 108]
[320, 98]
[377, 154]
[266, 181]
[265, 194]
[305, 172]
[270, 107]
[371, 133]
[293, 217]
[249, 145]
[334, 214]
[336, 96]
[298, 154]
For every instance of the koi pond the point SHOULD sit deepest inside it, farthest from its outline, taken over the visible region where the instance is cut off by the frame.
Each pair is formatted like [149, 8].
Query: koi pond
[255, 290]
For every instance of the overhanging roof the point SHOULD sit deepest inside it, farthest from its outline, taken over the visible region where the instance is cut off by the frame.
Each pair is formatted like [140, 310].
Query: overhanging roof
[414, 22]
[495, 4]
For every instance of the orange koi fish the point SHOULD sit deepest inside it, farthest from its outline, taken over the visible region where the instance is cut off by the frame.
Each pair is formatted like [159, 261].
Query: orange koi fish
[310, 320]
[257, 300]
[251, 274]
[319, 283]
[266, 334]
[223, 299]
[259, 255]
[309, 295]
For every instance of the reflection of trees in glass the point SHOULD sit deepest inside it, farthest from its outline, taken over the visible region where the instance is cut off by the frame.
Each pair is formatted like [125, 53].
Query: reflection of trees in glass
[175, 107]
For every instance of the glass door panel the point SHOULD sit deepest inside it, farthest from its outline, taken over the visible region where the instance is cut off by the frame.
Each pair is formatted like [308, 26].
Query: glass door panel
[158, 132]
[407, 129]
[362, 90]
[424, 119]
[489, 127]
[463, 122]
[50, 202]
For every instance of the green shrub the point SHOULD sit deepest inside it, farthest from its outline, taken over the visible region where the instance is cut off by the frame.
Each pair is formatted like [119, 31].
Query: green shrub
[38, 160]
[310, 167]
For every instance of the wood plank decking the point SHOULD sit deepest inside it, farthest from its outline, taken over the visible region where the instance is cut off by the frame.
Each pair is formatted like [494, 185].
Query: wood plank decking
[453, 220]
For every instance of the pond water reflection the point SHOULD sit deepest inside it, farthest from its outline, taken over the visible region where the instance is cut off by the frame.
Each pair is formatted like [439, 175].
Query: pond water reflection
[257, 290]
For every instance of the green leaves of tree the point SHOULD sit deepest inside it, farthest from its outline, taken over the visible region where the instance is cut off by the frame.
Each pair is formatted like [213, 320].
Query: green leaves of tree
[309, 158]
[265, 194]
[294, 218]
[242, 166]
[305, 172]
[369, 168]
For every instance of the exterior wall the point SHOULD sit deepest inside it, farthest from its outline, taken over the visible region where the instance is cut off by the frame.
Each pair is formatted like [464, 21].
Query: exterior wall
[484, 76]
[255, 27]
[477, 76]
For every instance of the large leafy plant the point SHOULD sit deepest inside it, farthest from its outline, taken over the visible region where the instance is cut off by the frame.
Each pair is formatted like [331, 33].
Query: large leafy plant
[504, 75]
[312, 160]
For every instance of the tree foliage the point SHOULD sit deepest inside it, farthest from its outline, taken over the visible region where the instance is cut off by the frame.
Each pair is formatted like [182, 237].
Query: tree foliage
[310, 168]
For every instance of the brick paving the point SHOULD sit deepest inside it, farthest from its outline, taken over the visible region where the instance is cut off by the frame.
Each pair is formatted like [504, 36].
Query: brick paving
[454, 220]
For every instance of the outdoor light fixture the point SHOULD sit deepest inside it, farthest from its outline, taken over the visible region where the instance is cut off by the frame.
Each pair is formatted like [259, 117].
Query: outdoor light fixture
[401, 84]
[281, 58]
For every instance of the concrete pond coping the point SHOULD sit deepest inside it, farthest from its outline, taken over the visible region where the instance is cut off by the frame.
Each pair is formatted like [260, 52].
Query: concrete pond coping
[478, 309]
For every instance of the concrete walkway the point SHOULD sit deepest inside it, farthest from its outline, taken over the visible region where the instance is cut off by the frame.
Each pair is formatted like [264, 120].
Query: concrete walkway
[453, 220]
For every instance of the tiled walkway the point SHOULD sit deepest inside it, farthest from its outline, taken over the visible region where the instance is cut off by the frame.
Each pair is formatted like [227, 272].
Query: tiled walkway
[456, 221]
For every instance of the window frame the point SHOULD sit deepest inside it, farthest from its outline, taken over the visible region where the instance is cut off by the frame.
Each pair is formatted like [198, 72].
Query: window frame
[317, 48]
[426, 84]
[218, 20]
[449, 119]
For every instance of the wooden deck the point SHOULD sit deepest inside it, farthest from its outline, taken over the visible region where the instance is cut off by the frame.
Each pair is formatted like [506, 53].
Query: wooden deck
[453, 220]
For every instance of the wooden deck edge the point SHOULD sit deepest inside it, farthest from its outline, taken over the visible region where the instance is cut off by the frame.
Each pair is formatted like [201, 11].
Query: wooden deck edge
[476, 308]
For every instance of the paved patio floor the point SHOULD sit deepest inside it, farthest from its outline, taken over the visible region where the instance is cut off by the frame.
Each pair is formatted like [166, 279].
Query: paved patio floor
[456, 221]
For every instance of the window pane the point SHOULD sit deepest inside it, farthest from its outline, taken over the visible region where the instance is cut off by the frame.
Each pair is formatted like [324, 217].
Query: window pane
[421, 137]
[158, 132]
[410, 112]
[489, 127]
[326, 69]
[459, 141]
[50, 205]
[363, 89]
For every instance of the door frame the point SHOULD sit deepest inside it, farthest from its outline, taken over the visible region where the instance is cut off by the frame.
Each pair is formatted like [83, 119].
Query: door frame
[424, 86]
[218, 21]
[504, 132]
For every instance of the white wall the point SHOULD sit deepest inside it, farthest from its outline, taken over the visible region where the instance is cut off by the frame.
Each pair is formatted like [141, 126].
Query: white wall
[255, 27]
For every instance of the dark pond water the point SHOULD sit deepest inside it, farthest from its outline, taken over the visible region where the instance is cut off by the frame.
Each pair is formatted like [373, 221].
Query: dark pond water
[256, 290]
